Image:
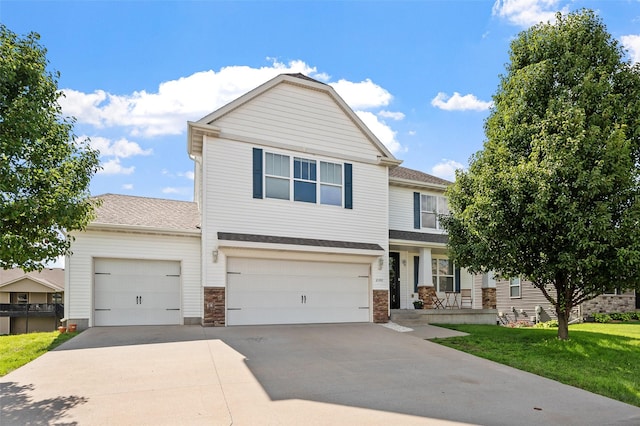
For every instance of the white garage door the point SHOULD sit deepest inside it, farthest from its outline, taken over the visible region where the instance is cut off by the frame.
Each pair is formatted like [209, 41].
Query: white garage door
[136, 292]
[267, 291]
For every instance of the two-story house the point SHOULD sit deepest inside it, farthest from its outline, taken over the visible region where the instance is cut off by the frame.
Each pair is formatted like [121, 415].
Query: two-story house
[30, 301]
[300, 215]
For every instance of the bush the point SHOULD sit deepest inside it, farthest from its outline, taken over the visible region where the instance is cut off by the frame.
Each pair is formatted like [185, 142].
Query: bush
[620, 316]
[602, 318]
[547, 324]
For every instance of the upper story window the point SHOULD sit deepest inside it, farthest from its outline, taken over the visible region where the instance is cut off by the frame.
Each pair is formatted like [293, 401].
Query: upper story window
[277, 174]
[301, 179]
[427, 209]
[330, 183]
[21, 298]
[515, 287]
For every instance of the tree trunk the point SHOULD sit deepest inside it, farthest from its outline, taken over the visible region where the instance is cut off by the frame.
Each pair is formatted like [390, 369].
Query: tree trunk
[563, 324]
[563, 305]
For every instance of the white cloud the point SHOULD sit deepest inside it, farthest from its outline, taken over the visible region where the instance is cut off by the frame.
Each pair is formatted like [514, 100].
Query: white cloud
[113, 167]
[166, 111]
[188, 174]
[632, 43]
[446, 169]
[176, 190]
[392, 115]
[363, 95]
[121, 148]
[525, 13]
[458, 102]
[383, 132]
[127, 186]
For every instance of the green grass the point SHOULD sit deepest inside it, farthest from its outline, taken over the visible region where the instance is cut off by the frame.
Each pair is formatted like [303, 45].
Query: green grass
[16, 351]
[600, 358]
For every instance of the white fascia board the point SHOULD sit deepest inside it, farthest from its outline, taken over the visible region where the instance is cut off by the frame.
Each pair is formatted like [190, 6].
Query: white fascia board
[231, 247]
[143, 229]
[199, 130]
[419, 244]
[407, 183]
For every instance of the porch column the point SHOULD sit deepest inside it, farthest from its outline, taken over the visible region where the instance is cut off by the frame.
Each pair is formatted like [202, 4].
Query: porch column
[489, 300]
[425, 279]
[425, 274]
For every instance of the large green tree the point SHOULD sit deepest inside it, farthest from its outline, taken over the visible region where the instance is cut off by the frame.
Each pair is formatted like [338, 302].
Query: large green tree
[554, 194]
[44, 170]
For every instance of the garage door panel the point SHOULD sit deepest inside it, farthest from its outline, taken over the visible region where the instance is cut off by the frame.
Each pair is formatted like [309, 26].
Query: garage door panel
[136, 292]
[267, 291]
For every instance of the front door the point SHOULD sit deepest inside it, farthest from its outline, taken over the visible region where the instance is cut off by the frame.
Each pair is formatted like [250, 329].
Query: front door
[394, 280]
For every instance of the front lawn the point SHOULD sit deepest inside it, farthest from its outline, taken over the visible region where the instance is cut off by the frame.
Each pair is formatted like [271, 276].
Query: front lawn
[600, 358]
[16, 351]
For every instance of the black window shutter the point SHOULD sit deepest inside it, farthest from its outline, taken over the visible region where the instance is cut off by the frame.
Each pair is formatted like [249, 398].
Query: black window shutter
[416, 210]
[416, 273]
[456, 279]
[348, 186]
[257, 173]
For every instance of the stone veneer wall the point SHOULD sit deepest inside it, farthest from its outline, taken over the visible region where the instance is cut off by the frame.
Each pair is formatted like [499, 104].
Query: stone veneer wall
[425, 293]
[489, 298]
[610, 303]
[380, 306]
[214, 309]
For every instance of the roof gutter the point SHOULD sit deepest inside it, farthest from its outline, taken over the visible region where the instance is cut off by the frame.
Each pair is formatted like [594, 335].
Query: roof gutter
[143, 229]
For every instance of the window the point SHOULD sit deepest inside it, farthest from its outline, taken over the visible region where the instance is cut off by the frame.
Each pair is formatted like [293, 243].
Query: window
[305, 184]
[276, 171]
[22, 298]
[431, 206]
[443, 274]
[304, 180]
[514, 287]
[330, 183]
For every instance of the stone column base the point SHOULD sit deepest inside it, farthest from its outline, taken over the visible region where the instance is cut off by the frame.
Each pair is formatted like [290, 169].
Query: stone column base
[488, 298]
[424, 293]
[380, 306]
[214, 307]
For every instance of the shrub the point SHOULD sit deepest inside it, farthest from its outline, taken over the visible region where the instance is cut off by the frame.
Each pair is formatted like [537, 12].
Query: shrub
[547, 324]
[620, 316]
[603, 318]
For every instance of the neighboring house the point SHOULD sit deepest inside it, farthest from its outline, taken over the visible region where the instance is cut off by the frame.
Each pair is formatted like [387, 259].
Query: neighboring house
[299, 215]
[519, 300]
[30, 301]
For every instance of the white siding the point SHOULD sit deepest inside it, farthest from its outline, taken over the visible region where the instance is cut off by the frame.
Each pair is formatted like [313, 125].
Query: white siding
[305, 119]
[99, 244]
[294, 115]
[401, 209]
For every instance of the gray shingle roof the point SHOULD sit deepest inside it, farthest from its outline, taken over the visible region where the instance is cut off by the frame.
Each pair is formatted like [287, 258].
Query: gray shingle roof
[230, 236]
[416, 175]
[147, 212]
[418, 236]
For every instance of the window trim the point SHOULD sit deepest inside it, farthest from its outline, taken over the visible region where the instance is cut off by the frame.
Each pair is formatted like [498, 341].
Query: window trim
[518, 286]
[319, 182]
[438, 212]
[436, 275]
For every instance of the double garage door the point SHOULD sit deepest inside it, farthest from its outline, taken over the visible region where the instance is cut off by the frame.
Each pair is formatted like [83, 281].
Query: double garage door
[136, 292]
[268, 291]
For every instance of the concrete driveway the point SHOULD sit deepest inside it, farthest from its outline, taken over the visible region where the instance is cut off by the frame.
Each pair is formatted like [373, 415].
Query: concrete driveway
[285, 375]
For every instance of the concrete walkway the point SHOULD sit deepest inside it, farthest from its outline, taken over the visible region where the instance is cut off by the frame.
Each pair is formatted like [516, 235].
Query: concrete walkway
[285, 375]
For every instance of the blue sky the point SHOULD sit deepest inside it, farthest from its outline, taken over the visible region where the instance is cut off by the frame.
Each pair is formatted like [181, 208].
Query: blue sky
[419, 73]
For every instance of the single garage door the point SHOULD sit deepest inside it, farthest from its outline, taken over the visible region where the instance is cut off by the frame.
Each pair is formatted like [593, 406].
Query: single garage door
[267, 291]
[136, 292]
